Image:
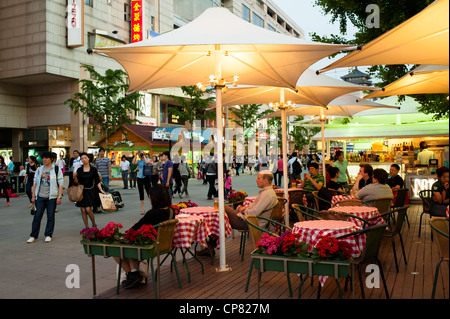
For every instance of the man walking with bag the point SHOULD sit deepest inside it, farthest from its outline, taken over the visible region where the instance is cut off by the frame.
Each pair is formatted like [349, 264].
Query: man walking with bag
[46, 194]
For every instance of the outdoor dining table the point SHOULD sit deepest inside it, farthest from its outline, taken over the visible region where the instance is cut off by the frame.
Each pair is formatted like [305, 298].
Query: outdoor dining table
[311, 231]
[447, 211]
[363, 212]
[190, 229]
[281, 190]
[211, 216]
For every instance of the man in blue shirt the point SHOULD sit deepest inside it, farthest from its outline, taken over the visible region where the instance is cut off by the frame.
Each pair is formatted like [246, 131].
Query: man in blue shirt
[167, 173]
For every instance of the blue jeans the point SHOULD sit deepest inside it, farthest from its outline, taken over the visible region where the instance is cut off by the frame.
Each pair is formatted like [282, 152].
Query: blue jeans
[105, 182]
[41, 205]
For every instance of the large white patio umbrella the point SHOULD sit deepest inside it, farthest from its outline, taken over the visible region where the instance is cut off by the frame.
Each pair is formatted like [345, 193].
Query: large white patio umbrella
[343, 106]
[422, 39]
[425, 79]
[311, 89]
[218, 48]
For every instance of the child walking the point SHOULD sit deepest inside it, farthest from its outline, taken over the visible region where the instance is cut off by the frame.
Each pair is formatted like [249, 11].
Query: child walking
[228, 183]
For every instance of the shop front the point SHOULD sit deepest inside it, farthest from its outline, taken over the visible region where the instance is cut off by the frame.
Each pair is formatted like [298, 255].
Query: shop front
[383, 145]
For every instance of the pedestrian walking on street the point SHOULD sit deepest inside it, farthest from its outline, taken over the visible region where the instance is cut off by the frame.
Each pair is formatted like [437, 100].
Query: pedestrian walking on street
[167, 174]
[46, 194]
[103, 165]
[133, 175]
[4, 185]
[124, 168]
[211, 173]
[143, 182]
[156, 169]
[185, 172]
[29, 177]
[87, 175]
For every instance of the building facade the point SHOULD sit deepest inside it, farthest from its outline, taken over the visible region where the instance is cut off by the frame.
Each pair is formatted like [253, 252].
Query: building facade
[45, 42]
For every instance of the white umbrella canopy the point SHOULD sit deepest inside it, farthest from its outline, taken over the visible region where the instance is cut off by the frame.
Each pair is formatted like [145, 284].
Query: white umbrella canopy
[215, 48]
[422, 39]
[343, 106]
[311, 89]
[186, 56]
[425, 79]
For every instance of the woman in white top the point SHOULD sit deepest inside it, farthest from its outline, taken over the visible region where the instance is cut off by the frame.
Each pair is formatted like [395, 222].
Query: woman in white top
[124, 168]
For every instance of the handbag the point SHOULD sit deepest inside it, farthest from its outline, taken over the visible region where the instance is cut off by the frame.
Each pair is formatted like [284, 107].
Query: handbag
[75, 193]
[147, 170]
[33, 210]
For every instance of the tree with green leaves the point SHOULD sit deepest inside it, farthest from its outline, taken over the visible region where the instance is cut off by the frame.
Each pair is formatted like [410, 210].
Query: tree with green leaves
[392, 13]
[104, 98]
[193, 107]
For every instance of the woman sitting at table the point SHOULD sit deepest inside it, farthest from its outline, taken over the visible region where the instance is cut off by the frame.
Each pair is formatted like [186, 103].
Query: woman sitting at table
[160, 212]
[327, 192]
[377, 189]
[440, 193]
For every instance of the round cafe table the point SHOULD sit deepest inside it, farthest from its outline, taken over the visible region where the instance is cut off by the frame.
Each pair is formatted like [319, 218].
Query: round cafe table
[211, 216]
[363, 212]
[311, 231]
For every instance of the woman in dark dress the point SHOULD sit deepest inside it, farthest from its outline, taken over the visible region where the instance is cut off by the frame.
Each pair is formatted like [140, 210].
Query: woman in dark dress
[31, 169]
[87, 175]
[327, 192]
[160, 212]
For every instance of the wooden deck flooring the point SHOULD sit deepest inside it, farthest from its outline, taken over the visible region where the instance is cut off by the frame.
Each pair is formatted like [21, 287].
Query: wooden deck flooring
[413, 281]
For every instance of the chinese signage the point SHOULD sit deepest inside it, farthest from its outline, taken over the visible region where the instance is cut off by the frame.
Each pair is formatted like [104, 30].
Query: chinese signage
[75, 23]
[137, 24]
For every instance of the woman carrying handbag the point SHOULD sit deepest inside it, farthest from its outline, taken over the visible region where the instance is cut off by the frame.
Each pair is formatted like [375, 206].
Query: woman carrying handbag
[87, 175]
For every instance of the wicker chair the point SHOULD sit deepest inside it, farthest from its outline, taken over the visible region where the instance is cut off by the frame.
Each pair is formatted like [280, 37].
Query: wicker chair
[163, 247]
[427, 198]
[256, 232]
[439, 227]
[295, 197]
[383, 204]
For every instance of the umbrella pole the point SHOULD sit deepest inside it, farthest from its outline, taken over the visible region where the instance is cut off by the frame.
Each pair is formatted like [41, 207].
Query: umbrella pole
[322, 120]
[285, 173]
[223, 266]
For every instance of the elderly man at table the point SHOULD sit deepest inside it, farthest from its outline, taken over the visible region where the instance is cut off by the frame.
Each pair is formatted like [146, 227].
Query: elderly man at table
[263, 205]
[377, 189]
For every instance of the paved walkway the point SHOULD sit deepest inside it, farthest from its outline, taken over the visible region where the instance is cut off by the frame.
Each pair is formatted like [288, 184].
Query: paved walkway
[38, 270]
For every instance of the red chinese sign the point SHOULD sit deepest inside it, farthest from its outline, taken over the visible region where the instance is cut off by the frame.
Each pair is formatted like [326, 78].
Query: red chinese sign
[136, 21]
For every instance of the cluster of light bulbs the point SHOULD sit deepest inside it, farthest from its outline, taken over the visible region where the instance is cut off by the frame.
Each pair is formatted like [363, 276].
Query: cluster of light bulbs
[281, 105]
[214, 82]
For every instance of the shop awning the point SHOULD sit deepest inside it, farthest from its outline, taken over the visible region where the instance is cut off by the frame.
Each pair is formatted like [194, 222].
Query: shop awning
[429, 129]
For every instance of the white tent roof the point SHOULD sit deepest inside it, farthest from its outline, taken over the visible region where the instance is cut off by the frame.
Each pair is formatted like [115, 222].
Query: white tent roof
[425, 79]
[345, 105]
[439, 128]
[190, 54]
[422, 39]
[312, 89]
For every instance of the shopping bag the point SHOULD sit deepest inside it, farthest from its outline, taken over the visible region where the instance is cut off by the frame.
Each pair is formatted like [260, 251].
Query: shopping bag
[75, 193]
[107, 202]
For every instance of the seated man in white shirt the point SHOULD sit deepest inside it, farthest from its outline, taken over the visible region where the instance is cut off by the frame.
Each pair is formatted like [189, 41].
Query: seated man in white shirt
[377, 189]
[263, 205]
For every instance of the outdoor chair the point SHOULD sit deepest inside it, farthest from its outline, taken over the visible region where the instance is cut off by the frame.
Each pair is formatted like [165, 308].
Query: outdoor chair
[439, 227]
[396, 230]
[383, 204]
[349, 202]
[374, 236]
[295, 197]
[427, 197]
[163, 247]
[400, 200]
[256, 232]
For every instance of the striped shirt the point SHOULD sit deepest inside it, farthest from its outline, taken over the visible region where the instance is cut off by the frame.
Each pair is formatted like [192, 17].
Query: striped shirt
[102, 165]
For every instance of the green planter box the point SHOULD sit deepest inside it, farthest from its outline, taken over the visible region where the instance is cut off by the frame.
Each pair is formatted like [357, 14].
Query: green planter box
[300, 265]
[118, 250]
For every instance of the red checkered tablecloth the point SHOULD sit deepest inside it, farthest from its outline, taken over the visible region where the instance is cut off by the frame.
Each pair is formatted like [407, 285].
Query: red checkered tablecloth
[361, 212]
[447, 211]
[211, 216]
[190, 228]
[249, 200]
[338, 198]
[312, 231]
